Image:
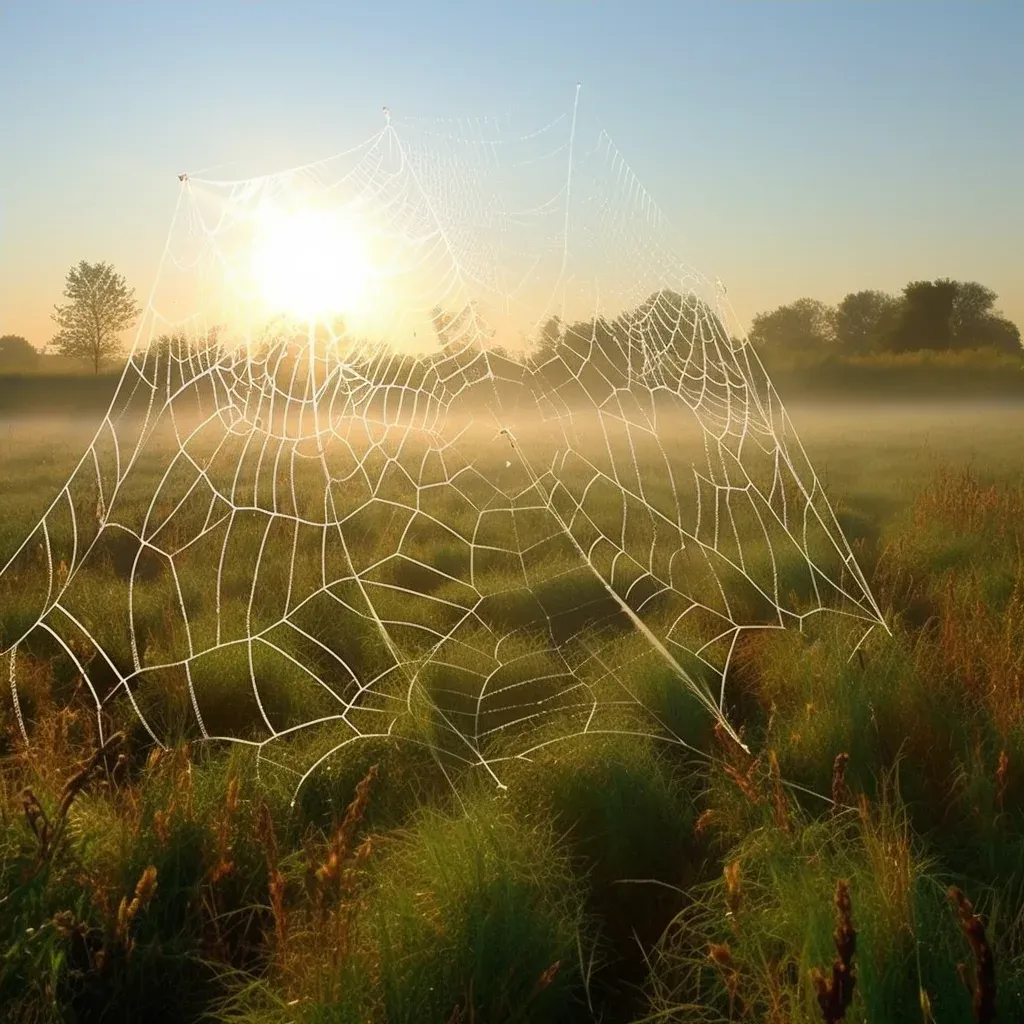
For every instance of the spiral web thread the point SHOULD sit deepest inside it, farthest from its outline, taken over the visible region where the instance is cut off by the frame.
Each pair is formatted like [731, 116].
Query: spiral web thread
[541, 489]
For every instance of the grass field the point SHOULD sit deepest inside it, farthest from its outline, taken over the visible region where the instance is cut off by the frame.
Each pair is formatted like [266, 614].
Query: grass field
[616, 876]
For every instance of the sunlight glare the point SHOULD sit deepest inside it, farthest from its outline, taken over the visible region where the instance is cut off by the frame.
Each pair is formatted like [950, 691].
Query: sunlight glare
[310, 263]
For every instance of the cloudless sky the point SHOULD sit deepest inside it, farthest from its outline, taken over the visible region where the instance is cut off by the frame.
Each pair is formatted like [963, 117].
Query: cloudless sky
[798, 147]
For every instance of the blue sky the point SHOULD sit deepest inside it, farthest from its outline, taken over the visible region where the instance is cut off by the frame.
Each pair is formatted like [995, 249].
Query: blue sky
[799, 147]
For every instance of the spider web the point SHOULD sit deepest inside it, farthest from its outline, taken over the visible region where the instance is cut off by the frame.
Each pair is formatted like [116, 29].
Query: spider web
[534, 484]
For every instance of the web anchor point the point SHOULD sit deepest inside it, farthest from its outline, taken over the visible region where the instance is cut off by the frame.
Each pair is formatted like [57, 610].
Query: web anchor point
[182, 177]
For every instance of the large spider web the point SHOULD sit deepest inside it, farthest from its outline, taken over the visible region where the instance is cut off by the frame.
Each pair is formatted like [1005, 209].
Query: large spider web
[537, 484]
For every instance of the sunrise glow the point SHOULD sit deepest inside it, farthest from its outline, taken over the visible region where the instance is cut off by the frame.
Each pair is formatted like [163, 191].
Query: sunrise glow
[310, 263]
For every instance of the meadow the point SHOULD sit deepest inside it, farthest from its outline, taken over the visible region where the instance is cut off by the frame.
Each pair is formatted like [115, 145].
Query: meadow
[873, 830]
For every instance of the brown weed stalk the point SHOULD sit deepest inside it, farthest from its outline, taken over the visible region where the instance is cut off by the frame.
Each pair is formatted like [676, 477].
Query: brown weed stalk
[49, 832]
[225, 865]
[267, 838]
[704, 822]
[330, 875]
[840, 792]
[337, 877]
[983, 990]
[733, 891]
[739, 766]
[127, 912]
[546, 979]
[720, 955]
[835, 992]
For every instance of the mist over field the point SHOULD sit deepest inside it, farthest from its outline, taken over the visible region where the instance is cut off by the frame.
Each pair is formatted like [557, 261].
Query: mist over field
[858, 440]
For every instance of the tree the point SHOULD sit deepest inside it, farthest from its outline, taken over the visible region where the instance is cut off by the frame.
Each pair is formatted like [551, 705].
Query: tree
[925, 320]
[976, 323]
[999, 333]
[552, 334]
[16, 354]
[865, 319]
[805, 325]
[99, 309]
[973, 307]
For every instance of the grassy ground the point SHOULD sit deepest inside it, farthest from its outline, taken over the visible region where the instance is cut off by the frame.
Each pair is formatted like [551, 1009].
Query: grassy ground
[615, 878]
[887, 376]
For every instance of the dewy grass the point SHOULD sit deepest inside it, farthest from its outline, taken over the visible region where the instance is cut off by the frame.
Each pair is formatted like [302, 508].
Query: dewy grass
[472, 915]
[451, 901]
[773, 910]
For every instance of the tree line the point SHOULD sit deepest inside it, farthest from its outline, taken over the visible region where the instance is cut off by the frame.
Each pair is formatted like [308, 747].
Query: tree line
[941, 315]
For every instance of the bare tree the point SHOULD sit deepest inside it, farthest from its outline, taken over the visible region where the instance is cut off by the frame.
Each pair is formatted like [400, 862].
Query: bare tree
[99, 309]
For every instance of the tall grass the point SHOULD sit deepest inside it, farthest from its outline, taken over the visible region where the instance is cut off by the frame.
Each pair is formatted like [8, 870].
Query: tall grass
[863, 862]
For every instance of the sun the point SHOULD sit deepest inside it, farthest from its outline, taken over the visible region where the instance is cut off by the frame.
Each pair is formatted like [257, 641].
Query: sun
[310, 263]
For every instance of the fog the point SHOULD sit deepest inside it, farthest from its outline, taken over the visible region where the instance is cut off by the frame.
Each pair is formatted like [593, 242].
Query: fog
[991, 434]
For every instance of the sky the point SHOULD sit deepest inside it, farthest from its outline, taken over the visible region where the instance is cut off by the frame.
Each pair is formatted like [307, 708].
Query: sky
[796, 147]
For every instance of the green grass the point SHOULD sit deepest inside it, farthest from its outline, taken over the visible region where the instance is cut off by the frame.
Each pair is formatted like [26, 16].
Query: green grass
[594, 884]
[983, 374]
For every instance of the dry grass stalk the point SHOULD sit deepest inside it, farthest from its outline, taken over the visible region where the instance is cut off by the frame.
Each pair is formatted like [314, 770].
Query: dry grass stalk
[1002, 778]
[546, 979]
[959, 499]
[721, 956]
[77, 782]
[840, 792]
[835, 993]
[983, 646]
[983, 990]
[886, 837]
[337, 877]
[779, 801]
[177, 763]
[276, 890]
[733, 891]
[979, 645]
[38, 821]
[47, 832]
[745, 782]
[704, 822]
[739, 766]
[331, 883]
[127, 912]
[267, 838]
[162, 825]
[225, 865]
[329, 875]
[734, 753]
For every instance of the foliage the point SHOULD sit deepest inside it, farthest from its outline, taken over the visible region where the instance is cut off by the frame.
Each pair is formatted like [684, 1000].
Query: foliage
[100, 307]
[925, 317]
[16, 354]
[804, 325]
[941, 316]
[864, 319]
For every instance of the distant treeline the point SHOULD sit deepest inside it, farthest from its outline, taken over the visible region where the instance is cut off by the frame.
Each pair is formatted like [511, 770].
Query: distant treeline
[19, 356]
[928, 316]
[936, 338]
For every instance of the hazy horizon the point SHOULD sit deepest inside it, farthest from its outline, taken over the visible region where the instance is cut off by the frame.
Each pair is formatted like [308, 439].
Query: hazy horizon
[795, 150]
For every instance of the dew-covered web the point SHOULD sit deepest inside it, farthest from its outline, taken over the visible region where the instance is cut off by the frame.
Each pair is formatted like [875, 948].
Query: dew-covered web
[530, 483]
